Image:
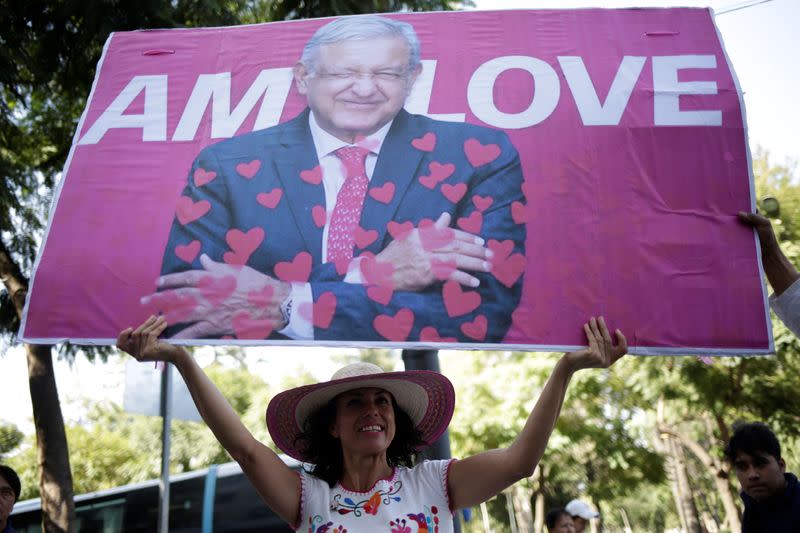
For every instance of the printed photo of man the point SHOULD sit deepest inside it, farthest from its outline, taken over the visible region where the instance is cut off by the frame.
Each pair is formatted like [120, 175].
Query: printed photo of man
[353, 221]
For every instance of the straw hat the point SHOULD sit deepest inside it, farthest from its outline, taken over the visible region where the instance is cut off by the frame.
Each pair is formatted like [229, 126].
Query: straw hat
[426, 397]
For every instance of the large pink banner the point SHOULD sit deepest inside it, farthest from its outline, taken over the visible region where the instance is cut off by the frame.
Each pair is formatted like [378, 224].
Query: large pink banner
[515, 174]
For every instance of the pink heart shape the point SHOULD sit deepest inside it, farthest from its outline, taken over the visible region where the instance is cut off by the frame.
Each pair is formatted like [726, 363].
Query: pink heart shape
[482, 203]
[508, 270]
[432, 237]
[376, 272]
[246, 327]
[429, 334]
[202, 176]
[382, 295]
[319, 215]
[242, 245]
[426, 143]
[518, 212]
[472, 223]
[500, 249]
[476, 329]
[261, 298]
[399, 230]
[442, 269]
[480, 154]
[298, 269]
[216, 289]
[188, 210]
[384, 193]
[365, 237]
[321, 312]
[248, 170]
[188, 252]
[395, 328]
[429, 182]
[270, 199]
[313, 176]
[458, 302]
[454, 193]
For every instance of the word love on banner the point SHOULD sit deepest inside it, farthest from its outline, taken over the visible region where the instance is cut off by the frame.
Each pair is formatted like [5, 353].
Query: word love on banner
[476, 179]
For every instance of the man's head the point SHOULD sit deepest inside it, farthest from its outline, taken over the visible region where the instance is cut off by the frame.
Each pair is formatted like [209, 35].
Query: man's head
[10, 488]
[356, 73]
[581, 513]
[755, 453]
[559, 521]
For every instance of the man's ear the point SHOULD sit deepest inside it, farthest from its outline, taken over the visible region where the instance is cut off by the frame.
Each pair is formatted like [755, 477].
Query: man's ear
[412, 77]
[301, 75]
[782, 464]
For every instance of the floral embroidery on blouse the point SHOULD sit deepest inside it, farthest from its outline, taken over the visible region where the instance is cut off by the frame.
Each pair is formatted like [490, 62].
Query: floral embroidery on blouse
[427, 522]
[327, 527]
[370, 505]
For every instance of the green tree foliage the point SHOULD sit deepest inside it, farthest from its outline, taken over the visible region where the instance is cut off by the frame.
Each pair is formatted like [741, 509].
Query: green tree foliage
[10, 438]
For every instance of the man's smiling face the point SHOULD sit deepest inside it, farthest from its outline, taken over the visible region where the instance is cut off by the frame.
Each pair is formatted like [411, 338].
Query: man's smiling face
[357, 86]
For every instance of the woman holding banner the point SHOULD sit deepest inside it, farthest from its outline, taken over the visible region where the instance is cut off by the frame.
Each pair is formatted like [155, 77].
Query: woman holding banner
[361, 431]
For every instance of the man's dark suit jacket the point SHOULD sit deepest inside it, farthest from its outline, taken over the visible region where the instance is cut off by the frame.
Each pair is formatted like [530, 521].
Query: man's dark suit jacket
[284, 157]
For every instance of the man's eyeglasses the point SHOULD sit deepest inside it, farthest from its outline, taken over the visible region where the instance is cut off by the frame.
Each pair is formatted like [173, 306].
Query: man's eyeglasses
[387, 76]
[7, 493]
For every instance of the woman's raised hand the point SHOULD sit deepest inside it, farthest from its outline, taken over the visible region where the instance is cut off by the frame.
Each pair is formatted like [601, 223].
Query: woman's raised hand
[601, 352]
[143, 343]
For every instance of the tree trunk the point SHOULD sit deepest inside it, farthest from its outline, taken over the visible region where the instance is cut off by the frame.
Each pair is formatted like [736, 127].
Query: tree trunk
[522, 507]
[55, 477]
[716, 472]
[688, 507]
[538, 519]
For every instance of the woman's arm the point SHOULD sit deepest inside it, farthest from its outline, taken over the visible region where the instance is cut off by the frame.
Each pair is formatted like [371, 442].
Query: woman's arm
[476, 479]
[277, 484]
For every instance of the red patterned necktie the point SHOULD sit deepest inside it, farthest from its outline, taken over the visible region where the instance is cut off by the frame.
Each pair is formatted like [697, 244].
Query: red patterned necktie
[349, 202]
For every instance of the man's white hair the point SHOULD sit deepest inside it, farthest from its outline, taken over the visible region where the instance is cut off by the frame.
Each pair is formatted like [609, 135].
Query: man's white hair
[359, 28]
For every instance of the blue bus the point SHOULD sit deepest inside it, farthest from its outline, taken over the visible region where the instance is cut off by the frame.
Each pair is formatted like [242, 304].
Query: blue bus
[216, 499]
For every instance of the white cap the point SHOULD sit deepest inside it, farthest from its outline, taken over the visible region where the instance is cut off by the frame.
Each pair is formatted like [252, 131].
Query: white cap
[582, 509]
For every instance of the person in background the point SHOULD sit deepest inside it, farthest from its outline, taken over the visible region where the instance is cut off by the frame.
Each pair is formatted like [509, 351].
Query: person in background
[781, 273]
[581, 513]
[771, 495]
[559, 521]
[10, 487]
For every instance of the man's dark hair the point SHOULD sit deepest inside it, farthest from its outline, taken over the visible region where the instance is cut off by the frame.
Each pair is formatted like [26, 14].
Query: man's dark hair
[12, 479]
[324, 451]
[553, 515]
[751, 438]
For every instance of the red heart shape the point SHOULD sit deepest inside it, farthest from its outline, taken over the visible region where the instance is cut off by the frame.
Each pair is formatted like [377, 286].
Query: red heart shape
[270, 199]
[365, 237]
[242, 245]
[472, 223]
[216, 289]
[441, 171]
[376, 272]
[429, 334]
[426, 143]
[298, 269]
[321, 314]
[433, 237]
[262, 297]
[313, 176]
[202, 176]
[248, 170]
[342, 266]
[507, 271]
[395, 328]
[482, 203]
[319, 215]
[442, 269]
[518, 212]
[479, 154]
[188, 252]
[246, 327]
[384, 193]
[500, 249]
[188, 210]
[454, 193]
[476, 329]
[458, 302]
[428, 181]
[398, 230]
[382, 295]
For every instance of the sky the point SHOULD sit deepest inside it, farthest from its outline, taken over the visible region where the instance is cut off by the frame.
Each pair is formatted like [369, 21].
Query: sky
[761, 42]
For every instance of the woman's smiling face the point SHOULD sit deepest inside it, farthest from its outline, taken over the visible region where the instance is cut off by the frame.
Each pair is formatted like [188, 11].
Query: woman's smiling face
[364, 421]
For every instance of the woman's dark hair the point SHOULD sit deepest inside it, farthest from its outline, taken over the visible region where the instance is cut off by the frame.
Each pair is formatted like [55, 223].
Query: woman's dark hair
[553, 515]
[324, 451]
